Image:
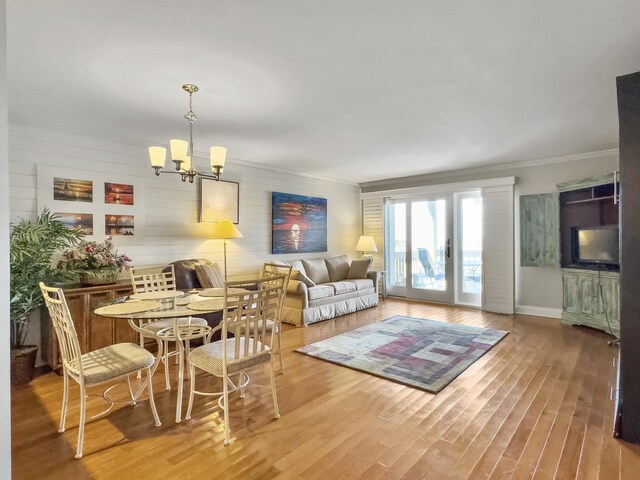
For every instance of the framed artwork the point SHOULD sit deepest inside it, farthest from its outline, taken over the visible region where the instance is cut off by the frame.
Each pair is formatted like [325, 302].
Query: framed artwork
[218, 200]
[119, 225]
[72, 190]
[118, 193]
[115, 212]
[83, 221]
[298, 223]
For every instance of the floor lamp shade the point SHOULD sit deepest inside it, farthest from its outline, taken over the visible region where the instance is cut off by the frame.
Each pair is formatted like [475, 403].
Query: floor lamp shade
[366, 244]
[224, 230]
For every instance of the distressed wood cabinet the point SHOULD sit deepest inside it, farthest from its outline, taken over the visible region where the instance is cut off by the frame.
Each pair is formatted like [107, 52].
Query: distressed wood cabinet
[539, 230]
[93, 331]
[591, 298]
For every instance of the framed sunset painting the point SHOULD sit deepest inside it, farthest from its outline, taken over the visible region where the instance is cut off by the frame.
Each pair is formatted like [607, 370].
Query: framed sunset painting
[298, 223]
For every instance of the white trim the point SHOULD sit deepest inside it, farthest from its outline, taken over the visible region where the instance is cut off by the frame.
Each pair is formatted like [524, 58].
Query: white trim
[442, 188]
[490, 168]
[539, 311]
[5, 343]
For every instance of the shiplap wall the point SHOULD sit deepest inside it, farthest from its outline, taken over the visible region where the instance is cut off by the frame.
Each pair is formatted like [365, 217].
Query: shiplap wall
[171, 207]
[172, 228]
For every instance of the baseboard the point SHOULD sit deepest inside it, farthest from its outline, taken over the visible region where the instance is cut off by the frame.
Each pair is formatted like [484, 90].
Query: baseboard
[539, 311]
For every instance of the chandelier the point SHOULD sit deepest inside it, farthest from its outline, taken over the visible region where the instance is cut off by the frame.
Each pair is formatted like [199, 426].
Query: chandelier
[182, 151]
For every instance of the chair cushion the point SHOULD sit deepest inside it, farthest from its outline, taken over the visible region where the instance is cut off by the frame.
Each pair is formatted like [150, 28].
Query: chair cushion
[338, 267]
[155, 327]
[112, 362]
[343, 287]
[321, 291]
[210, 276]
[316, 270]
[359, 268]
[209, 357]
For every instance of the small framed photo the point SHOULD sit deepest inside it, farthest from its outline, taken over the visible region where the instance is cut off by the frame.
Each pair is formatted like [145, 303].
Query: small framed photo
[118, 193]
[72, 190]
[82, 221]
[219, 200]
[115, 225]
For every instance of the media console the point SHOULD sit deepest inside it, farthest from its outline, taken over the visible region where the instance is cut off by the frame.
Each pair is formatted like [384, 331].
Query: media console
[590, 284]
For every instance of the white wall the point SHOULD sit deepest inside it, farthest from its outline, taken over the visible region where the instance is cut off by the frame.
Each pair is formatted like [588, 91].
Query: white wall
[538, 290]
[172, 228]
[5, 389]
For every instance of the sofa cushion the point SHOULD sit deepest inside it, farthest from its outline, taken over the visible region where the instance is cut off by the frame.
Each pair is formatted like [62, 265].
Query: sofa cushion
[362, 284]
[359, 268]
[320, 291]
[316, 270]
[210, 276]
[343, 287]
[338, 267]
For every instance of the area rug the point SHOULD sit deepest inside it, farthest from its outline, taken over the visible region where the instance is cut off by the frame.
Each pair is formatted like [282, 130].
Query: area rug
[422, 353]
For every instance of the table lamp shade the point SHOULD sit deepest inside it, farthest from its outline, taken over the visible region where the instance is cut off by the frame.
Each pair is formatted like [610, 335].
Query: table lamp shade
[366, 244]
[225, 229]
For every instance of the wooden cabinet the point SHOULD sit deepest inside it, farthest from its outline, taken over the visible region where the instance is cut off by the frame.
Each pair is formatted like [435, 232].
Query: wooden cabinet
[539, 230]
[592, 298]
[93, 331]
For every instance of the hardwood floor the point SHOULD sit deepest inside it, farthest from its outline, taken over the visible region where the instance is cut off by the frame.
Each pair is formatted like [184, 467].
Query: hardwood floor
[535, 406]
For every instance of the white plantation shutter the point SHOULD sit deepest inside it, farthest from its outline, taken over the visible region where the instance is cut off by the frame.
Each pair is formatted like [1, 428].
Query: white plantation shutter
[373, 224]
[498, 250]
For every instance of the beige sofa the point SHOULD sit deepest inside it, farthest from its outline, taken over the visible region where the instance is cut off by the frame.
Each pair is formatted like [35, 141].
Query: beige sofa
[321, 289]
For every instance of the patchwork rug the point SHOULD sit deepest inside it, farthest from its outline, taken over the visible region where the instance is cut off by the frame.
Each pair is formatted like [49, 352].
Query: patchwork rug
[422, 353]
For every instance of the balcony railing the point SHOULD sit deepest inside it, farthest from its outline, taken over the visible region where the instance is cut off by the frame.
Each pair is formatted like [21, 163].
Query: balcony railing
[471, 267]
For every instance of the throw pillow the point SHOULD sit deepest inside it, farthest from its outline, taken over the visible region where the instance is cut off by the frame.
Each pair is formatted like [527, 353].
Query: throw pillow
[316, 270]
[297, 265]
[210, 276]
[338, 267]
[301, 277]
[359, 268]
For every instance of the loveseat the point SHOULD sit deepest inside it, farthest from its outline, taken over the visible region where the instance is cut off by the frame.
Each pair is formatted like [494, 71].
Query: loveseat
[324, 288]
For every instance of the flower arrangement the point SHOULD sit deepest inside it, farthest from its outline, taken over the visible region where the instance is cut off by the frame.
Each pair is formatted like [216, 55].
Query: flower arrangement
[93, 256]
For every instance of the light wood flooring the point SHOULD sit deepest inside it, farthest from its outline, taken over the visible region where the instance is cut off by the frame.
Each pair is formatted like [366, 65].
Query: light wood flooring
[535, 406]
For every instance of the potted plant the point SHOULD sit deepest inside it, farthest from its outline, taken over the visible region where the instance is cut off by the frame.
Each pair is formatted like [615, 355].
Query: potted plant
[95, 263]
[32, 247]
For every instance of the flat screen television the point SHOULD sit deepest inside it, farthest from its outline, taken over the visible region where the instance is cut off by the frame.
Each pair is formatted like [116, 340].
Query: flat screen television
[596, 246]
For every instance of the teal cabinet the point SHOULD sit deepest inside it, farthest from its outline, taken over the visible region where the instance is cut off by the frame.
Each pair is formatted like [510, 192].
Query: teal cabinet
[592, 299]
[539, 230]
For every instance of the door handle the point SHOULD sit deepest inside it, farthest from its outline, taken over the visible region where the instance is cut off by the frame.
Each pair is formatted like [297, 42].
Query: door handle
[448, 249]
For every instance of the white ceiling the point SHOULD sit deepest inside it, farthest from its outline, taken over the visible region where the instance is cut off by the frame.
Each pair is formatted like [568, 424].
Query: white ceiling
[359, 90]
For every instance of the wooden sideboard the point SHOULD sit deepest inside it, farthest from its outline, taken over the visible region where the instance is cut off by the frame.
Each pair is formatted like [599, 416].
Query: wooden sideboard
[93, 331]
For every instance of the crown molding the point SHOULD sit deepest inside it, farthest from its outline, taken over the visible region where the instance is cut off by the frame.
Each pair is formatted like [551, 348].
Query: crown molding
[491, 168]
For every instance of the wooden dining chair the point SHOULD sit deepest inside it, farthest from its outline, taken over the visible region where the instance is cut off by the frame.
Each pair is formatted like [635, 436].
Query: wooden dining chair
[275, 324]
[245, 316]
[92, 368]
[163, 278]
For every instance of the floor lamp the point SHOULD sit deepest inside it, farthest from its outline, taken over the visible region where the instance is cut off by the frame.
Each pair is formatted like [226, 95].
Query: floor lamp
[224, 230]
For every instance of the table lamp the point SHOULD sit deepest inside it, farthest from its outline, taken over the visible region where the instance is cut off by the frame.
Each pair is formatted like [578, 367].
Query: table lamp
[224, 230]
[366, 244]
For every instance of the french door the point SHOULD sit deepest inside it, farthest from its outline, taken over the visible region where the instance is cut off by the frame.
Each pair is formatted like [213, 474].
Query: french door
[433, 247]
[419, 263]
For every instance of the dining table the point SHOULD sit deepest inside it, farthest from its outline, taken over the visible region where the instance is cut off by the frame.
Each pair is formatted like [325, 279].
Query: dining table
[155, 306]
